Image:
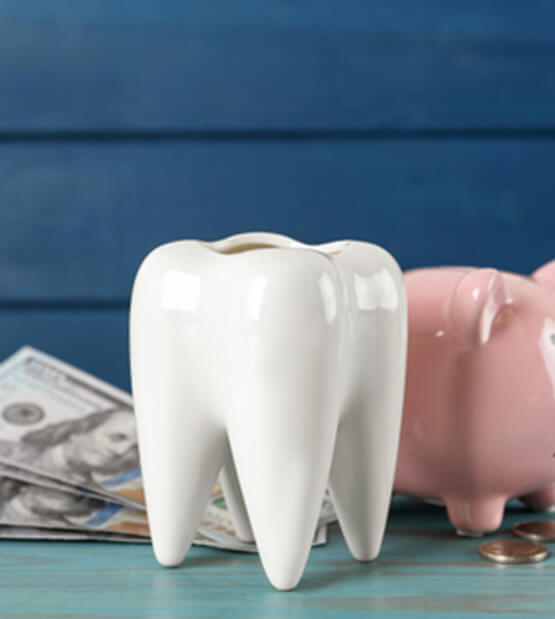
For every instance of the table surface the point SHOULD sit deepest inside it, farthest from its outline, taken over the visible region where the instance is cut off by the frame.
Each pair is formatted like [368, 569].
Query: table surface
[423, 570]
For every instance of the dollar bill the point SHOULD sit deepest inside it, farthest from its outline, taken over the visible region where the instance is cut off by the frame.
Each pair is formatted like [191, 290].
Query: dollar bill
[66, 535]
[59, 422]
[8, 470]
[70, 433]
[30, 507]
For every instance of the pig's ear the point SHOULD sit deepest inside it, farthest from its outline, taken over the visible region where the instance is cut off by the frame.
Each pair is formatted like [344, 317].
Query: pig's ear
[545, 275]
[476, 300]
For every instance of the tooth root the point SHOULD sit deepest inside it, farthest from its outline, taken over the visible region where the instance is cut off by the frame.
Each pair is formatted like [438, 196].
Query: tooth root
[283, 471]
[283, 419]
[282, 446]
[363, 468]
[361, 482]
[180, 464]
[180, 443]
[234, 499]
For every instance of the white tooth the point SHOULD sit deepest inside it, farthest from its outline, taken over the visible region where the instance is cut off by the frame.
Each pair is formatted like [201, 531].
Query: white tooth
[282, 426]
[298, 353]
[234, 499]
[363, 468]
[181, 445]
[362, 476]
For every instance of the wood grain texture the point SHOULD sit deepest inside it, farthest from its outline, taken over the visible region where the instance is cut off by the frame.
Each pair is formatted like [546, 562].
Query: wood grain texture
[423, 571]
[93, 65]
[76, 219]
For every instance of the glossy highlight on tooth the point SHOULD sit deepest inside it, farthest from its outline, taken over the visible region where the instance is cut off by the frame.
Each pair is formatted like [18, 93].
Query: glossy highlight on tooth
[279, 366]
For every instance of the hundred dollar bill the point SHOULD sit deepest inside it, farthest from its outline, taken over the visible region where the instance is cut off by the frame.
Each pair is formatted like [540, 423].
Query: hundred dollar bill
[216, 528]
[48, 509]
[8, 470]
[66, 535]
[31, 507]
[61, 428]
[59, 422]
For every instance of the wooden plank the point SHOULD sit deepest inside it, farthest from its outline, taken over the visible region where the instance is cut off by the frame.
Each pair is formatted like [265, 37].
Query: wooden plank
[423, 571]
[93, 65]
[76, 219]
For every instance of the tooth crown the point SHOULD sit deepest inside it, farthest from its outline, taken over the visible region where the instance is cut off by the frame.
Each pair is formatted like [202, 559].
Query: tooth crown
[280, 364]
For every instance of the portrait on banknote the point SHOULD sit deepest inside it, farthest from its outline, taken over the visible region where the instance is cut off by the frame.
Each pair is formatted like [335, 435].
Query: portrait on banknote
[31, 505]
[61, 422]
[26, 503]
[101, 444]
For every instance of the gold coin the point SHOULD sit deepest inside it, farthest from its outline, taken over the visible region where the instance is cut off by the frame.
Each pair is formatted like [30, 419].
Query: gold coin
[536, 531]
[513, 551]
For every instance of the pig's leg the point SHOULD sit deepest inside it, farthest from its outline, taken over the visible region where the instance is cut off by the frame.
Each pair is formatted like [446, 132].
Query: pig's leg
[475, 516]
[542, 501]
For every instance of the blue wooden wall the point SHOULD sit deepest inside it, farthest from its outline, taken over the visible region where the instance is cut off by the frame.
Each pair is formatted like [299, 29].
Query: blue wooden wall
[428, 127]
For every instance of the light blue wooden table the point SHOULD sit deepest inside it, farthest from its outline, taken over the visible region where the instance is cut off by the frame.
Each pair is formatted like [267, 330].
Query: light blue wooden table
[424, 570]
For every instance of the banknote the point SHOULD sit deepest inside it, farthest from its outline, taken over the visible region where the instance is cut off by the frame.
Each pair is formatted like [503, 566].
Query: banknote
[216, 526]
[64, 432]
[59, 422]
[66, 535]
[28, 506]
[8, 470]
[31, 505]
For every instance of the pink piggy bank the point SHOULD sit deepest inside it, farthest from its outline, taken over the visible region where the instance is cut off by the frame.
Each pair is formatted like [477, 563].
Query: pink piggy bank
[479, 417]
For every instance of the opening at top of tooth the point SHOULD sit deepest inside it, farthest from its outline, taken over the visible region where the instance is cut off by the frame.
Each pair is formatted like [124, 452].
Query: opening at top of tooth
[239, 249]
[249, 241]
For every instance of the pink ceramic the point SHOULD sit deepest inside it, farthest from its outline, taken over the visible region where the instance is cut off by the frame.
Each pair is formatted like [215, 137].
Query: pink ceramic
[479, 416]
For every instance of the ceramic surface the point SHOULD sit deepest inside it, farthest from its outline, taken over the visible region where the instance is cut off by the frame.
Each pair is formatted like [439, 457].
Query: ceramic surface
[283, 365]
[479, 415]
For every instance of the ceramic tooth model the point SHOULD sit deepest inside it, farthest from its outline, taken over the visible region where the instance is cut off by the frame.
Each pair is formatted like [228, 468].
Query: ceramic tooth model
[282, 364]
[479, 416]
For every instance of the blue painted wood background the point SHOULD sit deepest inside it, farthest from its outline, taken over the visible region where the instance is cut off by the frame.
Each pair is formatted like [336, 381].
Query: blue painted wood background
[428, 127]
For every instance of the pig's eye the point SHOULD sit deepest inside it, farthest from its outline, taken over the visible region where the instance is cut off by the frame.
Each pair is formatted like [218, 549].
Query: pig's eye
[552, 338]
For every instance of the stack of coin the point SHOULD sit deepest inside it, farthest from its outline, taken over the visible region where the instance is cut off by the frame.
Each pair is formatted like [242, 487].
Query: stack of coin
[529, 551]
